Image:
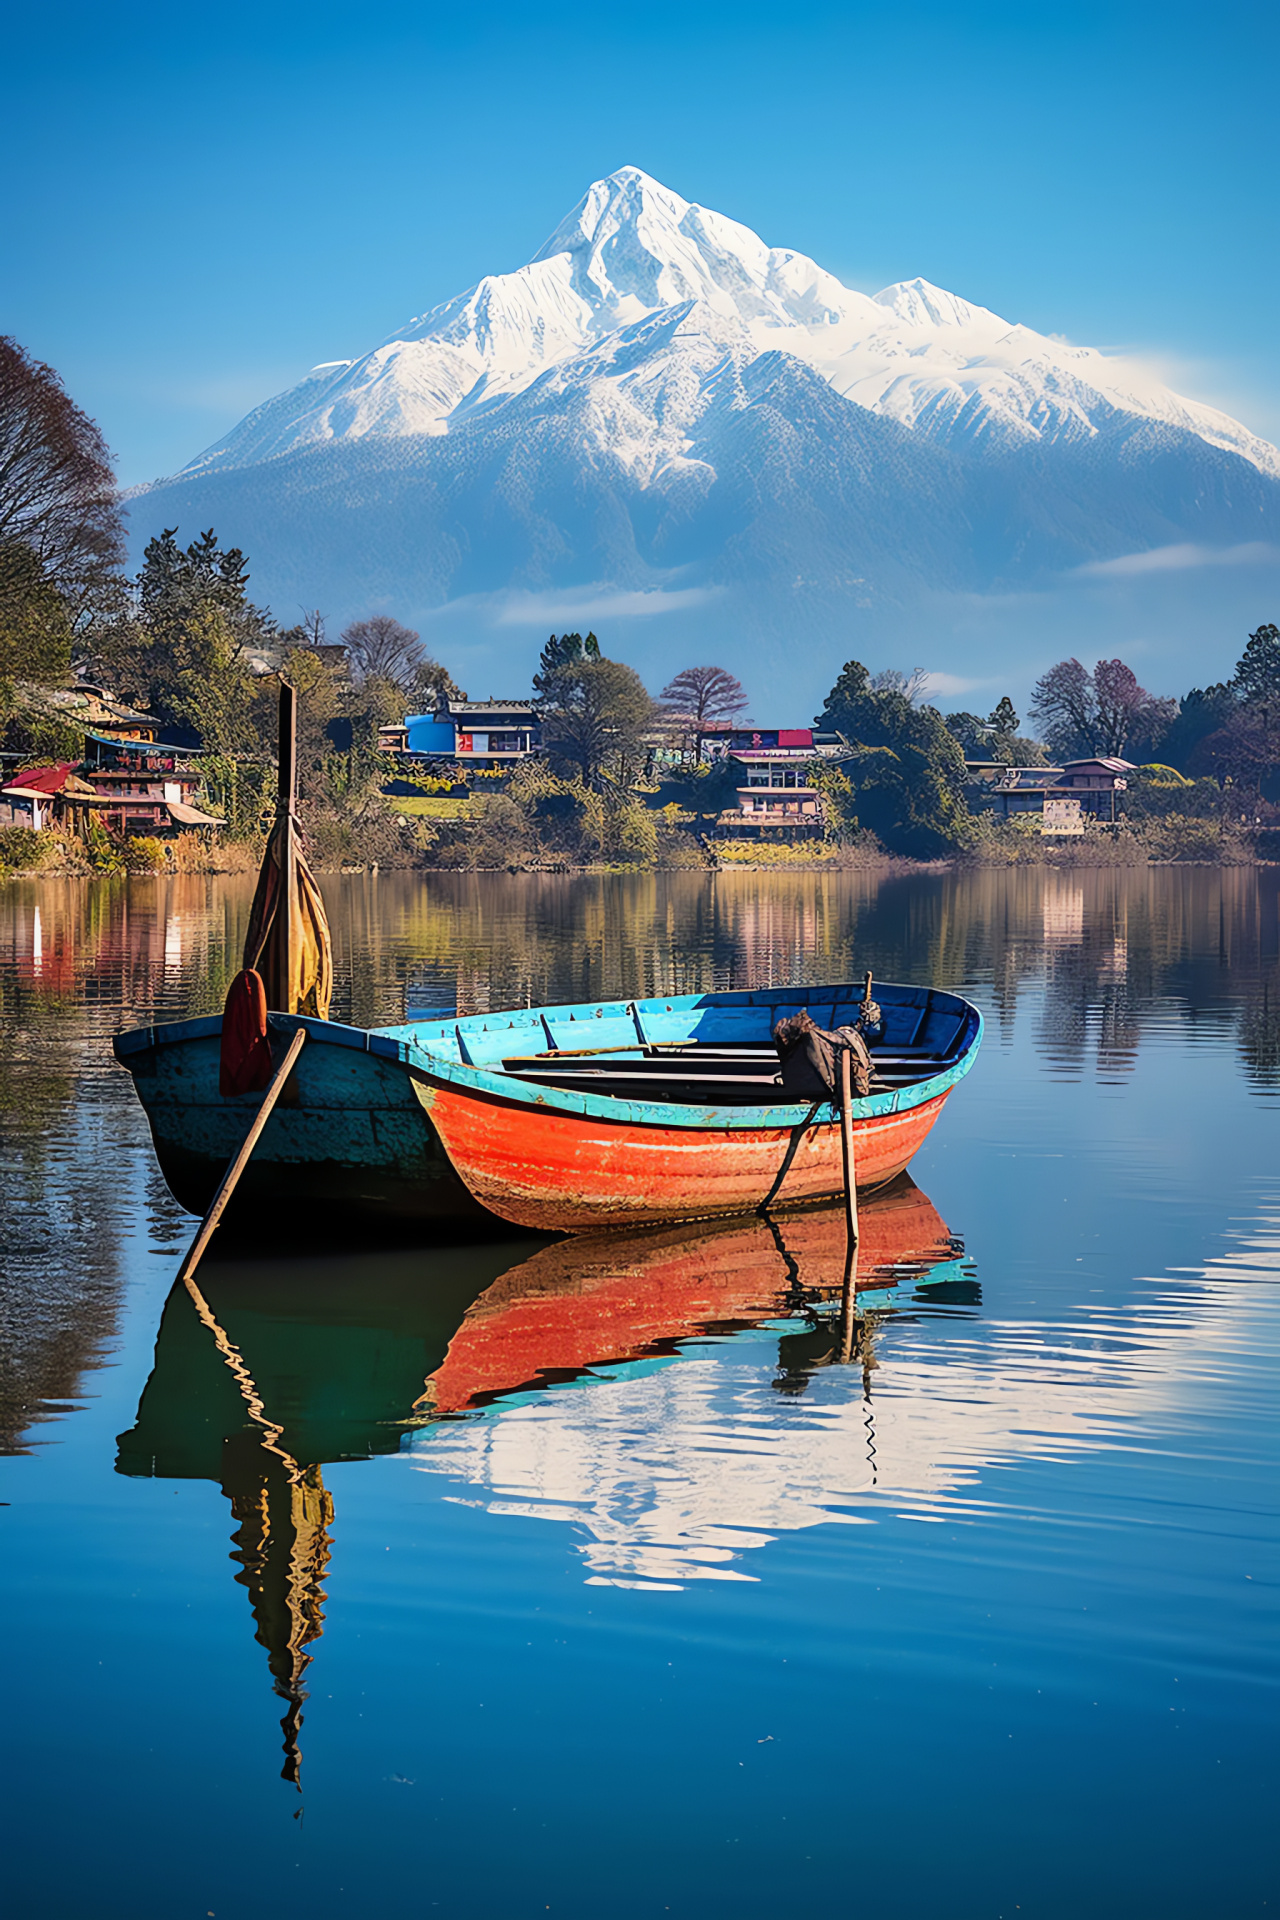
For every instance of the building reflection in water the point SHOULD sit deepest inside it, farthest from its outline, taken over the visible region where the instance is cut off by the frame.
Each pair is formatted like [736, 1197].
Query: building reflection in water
[268, 1371]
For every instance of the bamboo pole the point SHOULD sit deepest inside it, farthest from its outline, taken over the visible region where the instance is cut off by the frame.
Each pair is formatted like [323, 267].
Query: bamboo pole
[846, 1139]
[230, 1179]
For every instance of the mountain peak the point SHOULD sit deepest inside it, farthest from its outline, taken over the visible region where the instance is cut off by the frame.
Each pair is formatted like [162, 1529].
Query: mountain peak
[632, 250]
[622, 198]
[632, 245]
[660, 413]
[921, 304]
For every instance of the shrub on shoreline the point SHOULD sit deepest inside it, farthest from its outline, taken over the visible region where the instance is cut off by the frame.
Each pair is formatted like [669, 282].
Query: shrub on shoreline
[543, 822]
[22, 851]
[370, 834]
[860, 850]
[1180, 836]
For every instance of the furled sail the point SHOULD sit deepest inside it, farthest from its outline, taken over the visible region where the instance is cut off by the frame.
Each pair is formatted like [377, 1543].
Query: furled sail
[288, 942]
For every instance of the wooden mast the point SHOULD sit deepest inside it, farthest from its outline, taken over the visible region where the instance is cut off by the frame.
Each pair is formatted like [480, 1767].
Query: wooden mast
[286, 802]
[283, 979]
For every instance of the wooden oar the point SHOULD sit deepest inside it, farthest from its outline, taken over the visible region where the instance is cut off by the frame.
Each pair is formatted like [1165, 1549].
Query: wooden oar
[230, 1178]
[271, 1429]
[848, 1324]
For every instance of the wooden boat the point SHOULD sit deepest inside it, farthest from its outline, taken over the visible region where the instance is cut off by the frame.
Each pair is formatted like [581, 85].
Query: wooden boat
[566, 1118]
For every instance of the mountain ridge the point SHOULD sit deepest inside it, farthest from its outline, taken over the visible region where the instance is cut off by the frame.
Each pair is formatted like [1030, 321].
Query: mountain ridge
[659, 403]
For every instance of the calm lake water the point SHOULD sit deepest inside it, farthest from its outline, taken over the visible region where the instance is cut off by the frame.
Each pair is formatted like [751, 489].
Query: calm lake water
[602, 1586]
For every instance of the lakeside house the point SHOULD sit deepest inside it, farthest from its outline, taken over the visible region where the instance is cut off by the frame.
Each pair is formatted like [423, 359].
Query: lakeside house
[126, 779]
[86, 705]
[483, 735]
[776, 795]
[141, 785]
[38, 797]
[128, 786]
[1063, 796]
[717, 741]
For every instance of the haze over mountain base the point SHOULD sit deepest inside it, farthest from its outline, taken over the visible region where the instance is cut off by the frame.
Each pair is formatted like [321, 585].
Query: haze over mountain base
[704, 448]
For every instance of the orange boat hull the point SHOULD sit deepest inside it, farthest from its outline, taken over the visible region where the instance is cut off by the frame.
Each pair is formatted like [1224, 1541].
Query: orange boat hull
[584, 1303]
[569, 1172]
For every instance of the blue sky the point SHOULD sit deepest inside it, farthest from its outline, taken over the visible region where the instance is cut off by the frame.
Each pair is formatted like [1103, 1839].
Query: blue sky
[204, 202]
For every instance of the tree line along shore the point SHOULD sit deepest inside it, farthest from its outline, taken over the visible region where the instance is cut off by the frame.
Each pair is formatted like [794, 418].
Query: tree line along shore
[619, 779]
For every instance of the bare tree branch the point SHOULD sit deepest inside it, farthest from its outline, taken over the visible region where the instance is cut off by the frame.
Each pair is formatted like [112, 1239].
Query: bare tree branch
[381, 649]
[703, 694]
[57, 491]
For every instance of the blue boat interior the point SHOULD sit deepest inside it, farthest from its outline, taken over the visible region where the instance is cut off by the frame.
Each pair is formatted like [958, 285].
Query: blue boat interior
[714, 1048]
[709, 1056]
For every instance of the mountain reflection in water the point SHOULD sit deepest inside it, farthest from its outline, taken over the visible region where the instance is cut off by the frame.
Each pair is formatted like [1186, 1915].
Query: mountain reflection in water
[675, 1474]
[266, 1372]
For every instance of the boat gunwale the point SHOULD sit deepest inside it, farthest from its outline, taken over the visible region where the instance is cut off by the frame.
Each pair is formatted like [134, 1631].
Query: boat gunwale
[529, 1096]
[500, 1090]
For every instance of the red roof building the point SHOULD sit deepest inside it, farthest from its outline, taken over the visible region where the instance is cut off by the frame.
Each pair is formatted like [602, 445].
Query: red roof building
[130, 785]
[38, 796]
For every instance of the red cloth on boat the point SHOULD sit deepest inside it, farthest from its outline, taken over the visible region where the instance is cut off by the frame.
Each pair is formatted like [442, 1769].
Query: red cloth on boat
[246, 1052]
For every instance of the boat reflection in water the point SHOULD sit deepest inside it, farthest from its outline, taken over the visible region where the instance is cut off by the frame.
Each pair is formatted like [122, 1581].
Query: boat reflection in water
[268, 1371]
[276, 1369]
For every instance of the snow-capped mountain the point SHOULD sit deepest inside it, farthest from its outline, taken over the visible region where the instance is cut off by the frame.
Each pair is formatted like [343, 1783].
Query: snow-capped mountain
[630, 249]
[659, 403]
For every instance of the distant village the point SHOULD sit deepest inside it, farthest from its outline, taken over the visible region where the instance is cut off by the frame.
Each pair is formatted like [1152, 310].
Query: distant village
[138, 733]
[775, 795]
[771, 786]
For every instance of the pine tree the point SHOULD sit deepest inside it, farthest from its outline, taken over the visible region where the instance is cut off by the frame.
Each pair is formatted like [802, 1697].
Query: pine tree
[569, 650]
[1003, 719]
[187, 637]
[176, 582]
[1258, 672]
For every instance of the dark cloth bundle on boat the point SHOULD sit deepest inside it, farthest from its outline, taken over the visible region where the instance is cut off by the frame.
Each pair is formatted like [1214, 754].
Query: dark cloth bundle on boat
[245, 1066]
[810, 1058]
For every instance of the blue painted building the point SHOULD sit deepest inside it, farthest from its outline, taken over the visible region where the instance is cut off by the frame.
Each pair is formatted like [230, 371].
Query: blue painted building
[473, 733]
